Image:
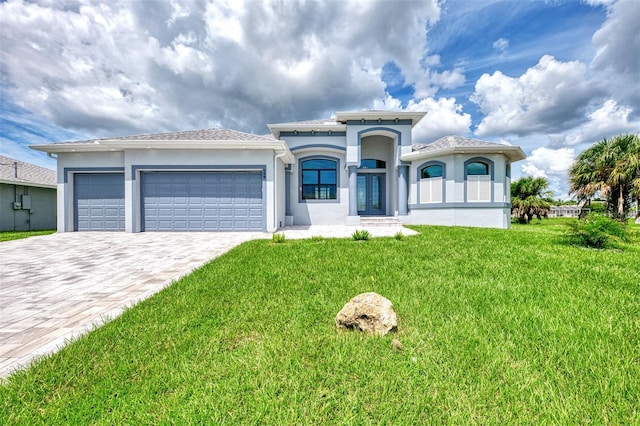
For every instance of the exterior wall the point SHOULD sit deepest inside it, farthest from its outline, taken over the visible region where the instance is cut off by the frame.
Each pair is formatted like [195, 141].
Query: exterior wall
[72, 162]
[134, 162]
[481, 217]
[319, 212]
[455, 209]
[41, 215]
[279, 185]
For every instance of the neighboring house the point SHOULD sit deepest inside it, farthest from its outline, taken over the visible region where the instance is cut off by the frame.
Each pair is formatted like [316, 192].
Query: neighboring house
[27, 196]
[564, 211]
[318, 172]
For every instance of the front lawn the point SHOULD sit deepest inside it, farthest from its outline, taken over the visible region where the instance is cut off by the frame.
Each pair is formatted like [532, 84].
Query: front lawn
[497, 326]
[17, 235]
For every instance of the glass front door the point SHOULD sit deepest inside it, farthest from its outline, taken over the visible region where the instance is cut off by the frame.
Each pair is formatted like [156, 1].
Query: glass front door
[371, 191]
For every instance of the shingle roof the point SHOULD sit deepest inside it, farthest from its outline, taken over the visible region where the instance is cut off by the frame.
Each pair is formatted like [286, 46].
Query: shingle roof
[454, 142]
[15, 171]
[189, 135]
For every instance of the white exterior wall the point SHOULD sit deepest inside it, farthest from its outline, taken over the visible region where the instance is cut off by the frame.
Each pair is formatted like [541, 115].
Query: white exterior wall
[483, 217]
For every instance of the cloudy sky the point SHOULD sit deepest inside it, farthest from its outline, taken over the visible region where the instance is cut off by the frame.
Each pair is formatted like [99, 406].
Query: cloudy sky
[551, 76]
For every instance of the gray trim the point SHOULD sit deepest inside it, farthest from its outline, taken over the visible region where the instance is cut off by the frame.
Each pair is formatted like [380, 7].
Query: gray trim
[188, 168]
[287, 190]
[68, 170]
[324, 157]
[395, 122]
[444, 177]
[491, 165]
[478, 205]
[318, 145]
[373, 129]
[196, 169]
[314, 133]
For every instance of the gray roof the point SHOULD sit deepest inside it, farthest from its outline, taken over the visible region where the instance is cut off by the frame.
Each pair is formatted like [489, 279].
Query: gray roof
[19, 172]
[454, 142]
[189, 135]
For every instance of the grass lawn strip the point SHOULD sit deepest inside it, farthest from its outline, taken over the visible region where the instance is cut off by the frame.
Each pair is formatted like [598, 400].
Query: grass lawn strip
[17, 235]
[498, 326]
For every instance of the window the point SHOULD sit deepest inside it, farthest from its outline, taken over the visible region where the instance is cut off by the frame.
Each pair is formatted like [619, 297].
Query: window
[319, 179]
[431, 182]
[372, 164]
[432, 171]
[478, 180]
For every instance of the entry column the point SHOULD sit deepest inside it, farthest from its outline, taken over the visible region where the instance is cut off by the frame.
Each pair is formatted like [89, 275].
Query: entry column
[353, 190]
[403, 197]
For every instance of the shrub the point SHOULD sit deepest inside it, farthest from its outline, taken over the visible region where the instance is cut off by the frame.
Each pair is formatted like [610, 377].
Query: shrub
[278, 237]
[360, 235]
[317, 238]
[399, 236]
[596, 230]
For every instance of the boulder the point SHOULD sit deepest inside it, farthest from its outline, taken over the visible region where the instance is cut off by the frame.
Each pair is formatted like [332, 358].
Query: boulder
[368, 312]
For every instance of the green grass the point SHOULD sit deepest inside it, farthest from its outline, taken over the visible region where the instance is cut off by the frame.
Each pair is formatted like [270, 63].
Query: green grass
[498, 326]
[17, 235]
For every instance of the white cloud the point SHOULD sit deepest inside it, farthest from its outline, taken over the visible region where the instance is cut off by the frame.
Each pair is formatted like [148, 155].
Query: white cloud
[607, 121]
[501, 45]
[552, 164]
[121, 66]
[548, 97]
[617, 60]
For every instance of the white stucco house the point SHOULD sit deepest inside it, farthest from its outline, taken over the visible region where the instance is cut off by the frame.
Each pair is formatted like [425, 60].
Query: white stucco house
[319, 172]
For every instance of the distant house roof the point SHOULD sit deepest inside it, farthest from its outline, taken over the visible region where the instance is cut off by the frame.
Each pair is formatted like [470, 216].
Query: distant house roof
[462, 145]
[18, 172]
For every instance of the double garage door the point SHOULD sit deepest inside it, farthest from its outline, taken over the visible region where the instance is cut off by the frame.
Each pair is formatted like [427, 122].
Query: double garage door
[177, 201]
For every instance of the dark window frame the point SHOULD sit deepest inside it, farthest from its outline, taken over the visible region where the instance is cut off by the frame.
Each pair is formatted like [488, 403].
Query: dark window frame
[320, 184]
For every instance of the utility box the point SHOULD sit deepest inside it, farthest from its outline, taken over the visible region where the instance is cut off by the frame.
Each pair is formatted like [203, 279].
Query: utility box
[17, 205]
[26, 202]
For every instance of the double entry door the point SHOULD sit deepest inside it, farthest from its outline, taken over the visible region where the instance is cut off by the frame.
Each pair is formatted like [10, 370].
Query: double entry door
[371, 191]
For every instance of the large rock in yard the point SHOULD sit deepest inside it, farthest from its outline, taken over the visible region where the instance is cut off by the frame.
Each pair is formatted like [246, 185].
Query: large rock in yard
[368, 312]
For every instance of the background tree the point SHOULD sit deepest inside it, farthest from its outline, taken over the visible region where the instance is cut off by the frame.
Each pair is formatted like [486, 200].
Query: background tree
[611, 168]
[529, 198]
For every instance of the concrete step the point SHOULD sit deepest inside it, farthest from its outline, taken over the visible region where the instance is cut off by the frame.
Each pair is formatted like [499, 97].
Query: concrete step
[375, 221]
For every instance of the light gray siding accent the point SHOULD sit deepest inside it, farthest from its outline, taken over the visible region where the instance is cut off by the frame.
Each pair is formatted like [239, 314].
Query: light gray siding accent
[202, 201]
[99, 201]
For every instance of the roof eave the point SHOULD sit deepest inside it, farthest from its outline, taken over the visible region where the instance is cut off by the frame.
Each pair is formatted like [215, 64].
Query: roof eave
[276, 129]
[513, 153]
[414, 116]
[26, 183]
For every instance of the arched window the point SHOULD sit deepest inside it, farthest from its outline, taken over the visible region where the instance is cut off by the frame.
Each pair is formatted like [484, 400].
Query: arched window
[431, 180]
[370, 163]
[477, 168]
[319, 178]
[478, 173]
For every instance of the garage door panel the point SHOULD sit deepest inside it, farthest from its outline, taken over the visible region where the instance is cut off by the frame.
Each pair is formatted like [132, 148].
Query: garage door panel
[202, 201]
[99, 201]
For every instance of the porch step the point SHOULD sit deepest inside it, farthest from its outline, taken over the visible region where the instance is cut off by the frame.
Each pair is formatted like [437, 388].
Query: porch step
[379, 221]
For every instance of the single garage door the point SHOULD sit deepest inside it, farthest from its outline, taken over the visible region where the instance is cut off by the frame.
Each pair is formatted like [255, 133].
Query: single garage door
[202, 201]
[99, 201]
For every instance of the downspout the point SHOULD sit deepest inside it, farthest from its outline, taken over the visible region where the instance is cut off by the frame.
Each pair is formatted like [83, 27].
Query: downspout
[275, 186]
[51, 155]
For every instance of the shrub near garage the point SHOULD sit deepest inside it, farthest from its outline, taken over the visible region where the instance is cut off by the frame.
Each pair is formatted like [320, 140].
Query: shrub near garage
[596, 230]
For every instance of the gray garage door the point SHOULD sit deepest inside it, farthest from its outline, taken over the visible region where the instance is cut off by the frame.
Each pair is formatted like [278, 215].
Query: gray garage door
[202, 201]
[99, 201]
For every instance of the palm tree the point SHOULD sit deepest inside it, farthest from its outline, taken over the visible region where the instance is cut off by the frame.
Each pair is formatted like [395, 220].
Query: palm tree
[610, 167]
[529, 198]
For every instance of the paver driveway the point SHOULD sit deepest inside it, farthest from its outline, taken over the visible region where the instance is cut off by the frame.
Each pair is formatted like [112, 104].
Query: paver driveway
[56, 287]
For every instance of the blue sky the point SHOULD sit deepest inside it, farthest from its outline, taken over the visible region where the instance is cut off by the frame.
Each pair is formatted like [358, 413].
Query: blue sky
[551, 76]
